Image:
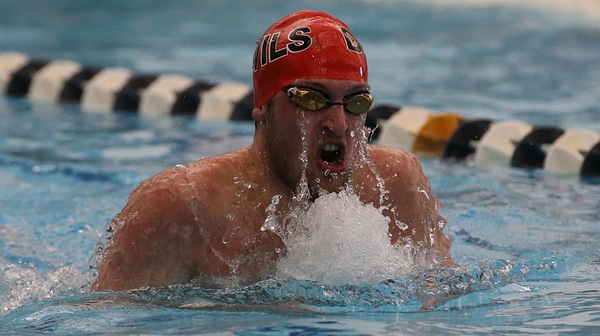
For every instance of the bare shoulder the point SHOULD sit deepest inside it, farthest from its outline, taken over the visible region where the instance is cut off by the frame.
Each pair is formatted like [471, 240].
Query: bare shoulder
[185, 197]
[396, 164]
[390, 153]
[162, 234]
[189, 181]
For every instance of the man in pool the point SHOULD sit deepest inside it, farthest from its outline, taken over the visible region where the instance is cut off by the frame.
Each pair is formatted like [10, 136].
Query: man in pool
[207, 219]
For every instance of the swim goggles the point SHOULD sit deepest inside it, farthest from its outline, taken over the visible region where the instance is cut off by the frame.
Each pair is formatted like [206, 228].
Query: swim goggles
[314, 100]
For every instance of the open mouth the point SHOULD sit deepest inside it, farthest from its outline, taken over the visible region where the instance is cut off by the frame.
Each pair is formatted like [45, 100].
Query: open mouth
[331, 153]
[332, 158]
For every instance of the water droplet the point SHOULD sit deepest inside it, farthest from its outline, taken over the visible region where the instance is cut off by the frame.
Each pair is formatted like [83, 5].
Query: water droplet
[442, 224]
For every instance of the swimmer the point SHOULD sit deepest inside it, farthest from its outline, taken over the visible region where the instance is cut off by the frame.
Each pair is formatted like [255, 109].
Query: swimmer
[205, 220]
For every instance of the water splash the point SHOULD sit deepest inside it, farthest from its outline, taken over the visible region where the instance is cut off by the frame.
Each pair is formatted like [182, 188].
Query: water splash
[302, 190]
[101, 247]
[22, 285]
[339, 239]
[409, 292]
[362, 152]
[271, 223]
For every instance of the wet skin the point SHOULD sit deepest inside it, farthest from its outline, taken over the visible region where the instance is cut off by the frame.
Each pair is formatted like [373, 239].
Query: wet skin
[204, 219]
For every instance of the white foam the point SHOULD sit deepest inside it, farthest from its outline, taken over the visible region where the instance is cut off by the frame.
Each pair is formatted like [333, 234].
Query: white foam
[22, 285]
[340, 240]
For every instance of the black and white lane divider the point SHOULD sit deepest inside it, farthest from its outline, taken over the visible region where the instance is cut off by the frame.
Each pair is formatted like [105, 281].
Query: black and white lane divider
[416, 129]
[118, 89]
[502, 143]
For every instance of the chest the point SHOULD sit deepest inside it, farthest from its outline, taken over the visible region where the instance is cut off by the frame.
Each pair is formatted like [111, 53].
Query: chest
[237, 229]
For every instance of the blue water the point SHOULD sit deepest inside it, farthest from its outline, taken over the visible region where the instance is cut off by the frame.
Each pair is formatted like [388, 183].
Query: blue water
[527, 241]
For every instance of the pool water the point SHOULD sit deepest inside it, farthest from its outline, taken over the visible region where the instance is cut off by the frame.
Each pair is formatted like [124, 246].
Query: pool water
[527, 241]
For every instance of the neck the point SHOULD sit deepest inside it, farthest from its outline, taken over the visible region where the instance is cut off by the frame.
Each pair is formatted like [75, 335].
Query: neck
[261, 167]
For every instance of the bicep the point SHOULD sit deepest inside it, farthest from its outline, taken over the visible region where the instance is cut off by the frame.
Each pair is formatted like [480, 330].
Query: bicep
[146, 248]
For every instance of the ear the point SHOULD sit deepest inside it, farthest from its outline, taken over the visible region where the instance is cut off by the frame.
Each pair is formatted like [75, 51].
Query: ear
[259, 113]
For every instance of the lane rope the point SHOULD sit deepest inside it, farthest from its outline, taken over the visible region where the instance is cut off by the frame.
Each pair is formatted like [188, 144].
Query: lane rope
[448, 136]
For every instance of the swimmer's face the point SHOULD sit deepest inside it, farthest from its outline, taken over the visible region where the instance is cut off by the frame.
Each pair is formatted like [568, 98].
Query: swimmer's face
[324, 143]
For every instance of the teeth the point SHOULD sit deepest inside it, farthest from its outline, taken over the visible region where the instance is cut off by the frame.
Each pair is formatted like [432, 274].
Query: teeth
[331, 153]
[331, 148]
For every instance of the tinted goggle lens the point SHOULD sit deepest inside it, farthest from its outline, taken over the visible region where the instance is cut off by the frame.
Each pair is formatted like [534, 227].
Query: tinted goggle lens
[314, 100]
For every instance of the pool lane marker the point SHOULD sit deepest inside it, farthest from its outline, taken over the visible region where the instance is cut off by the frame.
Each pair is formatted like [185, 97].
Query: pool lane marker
[486, 142]
[109, 90]
[102, 91]
[498, 144]
[575, 151]
[448, 136]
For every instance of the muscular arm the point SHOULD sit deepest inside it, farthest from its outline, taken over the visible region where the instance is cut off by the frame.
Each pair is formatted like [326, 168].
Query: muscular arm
[154, 238]
[412, 199]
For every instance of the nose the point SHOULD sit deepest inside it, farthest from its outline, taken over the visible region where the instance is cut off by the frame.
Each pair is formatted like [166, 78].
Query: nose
[335, 120]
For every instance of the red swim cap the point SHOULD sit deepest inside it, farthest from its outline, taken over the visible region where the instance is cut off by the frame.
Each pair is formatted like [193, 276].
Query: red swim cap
[305, 44]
